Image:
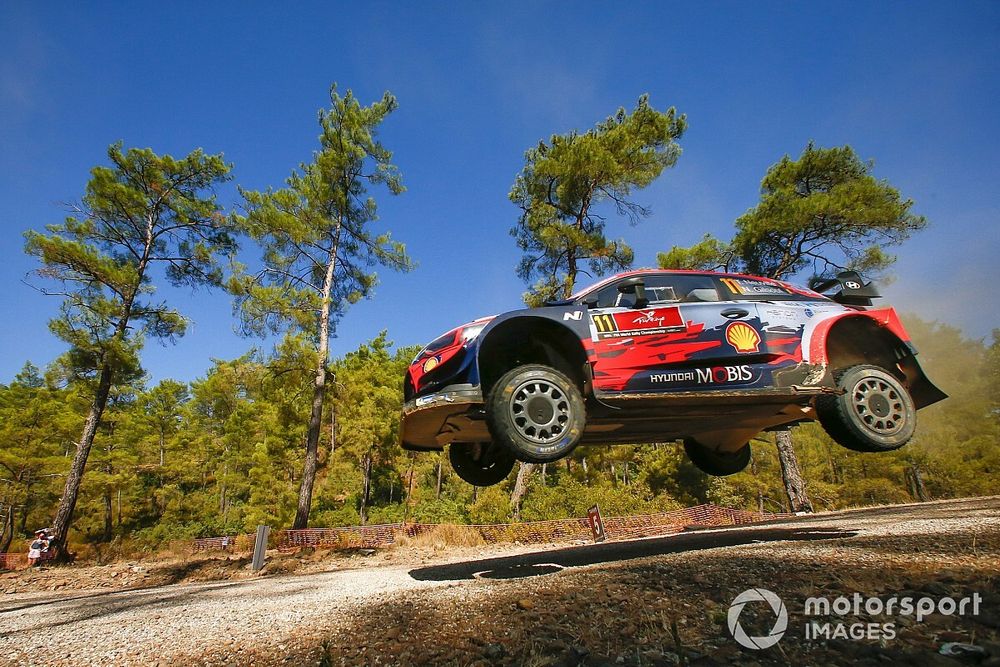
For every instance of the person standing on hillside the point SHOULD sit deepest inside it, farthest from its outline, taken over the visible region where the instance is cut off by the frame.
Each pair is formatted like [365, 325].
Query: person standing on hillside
[38, 547]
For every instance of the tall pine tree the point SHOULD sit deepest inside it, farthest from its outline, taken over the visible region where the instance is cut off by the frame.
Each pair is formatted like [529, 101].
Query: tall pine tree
[142, 211]
[319, 246]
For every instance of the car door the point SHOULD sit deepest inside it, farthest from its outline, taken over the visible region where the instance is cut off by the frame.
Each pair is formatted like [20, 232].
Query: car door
[783, 313]
[680, 340]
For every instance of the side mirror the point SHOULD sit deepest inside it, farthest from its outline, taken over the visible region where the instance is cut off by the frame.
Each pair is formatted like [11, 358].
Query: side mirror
[636, 286]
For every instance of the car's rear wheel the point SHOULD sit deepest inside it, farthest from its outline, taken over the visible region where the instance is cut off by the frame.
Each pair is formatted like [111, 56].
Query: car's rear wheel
[536, 412]
[481, 463]
[716, 463]
[875, 412]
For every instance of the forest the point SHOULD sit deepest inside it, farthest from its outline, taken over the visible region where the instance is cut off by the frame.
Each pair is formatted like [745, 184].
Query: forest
[290, 436]
[223, 454]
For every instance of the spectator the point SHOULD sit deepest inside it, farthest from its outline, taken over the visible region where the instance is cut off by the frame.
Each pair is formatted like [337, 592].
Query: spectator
[38, 546]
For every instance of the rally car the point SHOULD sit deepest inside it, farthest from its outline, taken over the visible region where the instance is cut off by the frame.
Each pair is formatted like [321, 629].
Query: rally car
[710, 359]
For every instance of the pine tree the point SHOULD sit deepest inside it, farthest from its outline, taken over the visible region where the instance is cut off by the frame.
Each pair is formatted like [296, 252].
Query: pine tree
[319, 246]
[141, 211]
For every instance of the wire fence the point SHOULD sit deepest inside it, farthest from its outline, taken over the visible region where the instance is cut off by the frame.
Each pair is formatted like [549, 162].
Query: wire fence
[13, 561]
[528, 532]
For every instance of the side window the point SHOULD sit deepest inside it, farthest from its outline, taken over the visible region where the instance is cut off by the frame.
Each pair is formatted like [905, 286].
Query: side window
[661, 289]
[606, 297]
[680, 288]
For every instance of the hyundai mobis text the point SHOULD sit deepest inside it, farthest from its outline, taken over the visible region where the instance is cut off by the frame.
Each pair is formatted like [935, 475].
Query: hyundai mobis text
[710, 359]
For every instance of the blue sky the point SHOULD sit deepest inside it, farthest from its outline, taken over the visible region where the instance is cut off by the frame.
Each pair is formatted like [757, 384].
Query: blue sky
[913, 86]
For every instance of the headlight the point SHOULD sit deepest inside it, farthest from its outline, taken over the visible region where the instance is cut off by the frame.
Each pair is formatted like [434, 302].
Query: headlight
[470, 333]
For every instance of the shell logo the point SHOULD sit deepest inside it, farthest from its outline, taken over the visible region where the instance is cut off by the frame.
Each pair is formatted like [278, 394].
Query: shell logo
[431, 364]
[743, 337]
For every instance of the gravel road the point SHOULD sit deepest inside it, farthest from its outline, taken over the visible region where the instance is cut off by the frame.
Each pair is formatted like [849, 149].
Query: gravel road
[298, 618]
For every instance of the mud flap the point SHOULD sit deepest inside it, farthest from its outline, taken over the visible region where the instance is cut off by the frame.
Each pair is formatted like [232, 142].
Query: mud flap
[922, 390]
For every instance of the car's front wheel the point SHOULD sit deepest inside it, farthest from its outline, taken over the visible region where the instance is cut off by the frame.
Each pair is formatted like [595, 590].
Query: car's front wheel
[481, 463]
[875, 412]
[536, 412]
[716, 463]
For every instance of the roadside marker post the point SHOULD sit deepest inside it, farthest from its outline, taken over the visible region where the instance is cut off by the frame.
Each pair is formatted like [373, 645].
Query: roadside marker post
[260, 547]
[596, 524]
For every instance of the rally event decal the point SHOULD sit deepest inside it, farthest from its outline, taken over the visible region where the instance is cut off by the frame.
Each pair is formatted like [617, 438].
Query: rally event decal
[638, 322]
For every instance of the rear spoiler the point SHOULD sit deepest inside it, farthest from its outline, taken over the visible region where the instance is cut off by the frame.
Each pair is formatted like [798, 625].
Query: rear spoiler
[854, 291]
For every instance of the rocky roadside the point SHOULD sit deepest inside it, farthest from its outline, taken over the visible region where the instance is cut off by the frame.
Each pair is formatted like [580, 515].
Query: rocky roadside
[661, 601]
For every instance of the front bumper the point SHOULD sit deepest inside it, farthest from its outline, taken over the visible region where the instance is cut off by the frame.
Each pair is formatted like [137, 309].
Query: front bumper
[452, 414]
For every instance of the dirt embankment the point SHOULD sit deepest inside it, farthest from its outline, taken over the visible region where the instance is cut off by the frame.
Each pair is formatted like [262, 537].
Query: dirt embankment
[660, 601]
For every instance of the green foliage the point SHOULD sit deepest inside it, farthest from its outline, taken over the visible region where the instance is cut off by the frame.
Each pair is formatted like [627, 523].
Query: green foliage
[709, 254]
[564, 183]
[321, 222]
[142, 210]
[824, 211]
[230, 444]
[319, 247]
[491, 506]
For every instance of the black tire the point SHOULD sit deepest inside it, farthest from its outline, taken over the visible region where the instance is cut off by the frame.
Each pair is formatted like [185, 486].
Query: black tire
[537, 413]
[874, 414]
[481, 464]
[715, 463]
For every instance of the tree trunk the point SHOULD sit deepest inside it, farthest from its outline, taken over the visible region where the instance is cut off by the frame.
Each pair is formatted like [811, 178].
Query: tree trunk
[319, 391]
[918, 483]
[22, 528]
[67, 503]
[760, 491]
[333, 425]
[109, 519]
[544, 471]
[437, 493]
[795, 485]
[366, 466]
[162, 448]
[409, 490]
[7, 534]
[520, 488]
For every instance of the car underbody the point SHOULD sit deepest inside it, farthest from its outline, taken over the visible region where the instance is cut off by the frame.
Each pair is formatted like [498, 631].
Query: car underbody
[721, 420]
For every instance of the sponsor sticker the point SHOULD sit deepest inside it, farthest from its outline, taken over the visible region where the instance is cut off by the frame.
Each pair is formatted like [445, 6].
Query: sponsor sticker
[743, 337]
[786, 314]
[717, 375]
